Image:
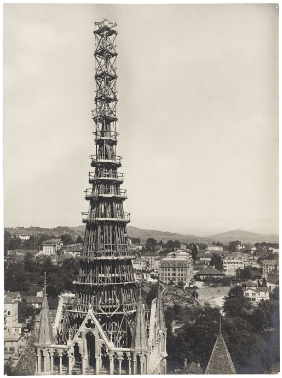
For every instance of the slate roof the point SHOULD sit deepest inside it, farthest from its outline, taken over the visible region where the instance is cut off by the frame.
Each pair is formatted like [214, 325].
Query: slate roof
[32, 299]
[220, 361]
[13, 294]
[210, 272]
[8, 300]
[45, 331]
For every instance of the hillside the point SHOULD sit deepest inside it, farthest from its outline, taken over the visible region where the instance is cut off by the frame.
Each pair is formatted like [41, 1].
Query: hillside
[143, 234]
[245, 236]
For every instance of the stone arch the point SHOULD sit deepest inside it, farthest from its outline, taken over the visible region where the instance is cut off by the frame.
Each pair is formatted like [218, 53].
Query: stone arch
[138, 361]
[77, 355]
[91, 350]
[65, 360]
[105, 361]
[41, 361]
[56, 361]
[124, 363]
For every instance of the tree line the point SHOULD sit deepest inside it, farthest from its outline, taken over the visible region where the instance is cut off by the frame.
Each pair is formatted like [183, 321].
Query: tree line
[35, 242]
[250, 332]
[27, 277]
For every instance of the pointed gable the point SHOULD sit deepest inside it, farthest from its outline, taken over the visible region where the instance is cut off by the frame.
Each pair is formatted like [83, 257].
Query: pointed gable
[220, 361]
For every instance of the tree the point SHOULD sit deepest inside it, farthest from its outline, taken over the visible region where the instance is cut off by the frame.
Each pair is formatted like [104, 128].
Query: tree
[24, 311]
[15, 243]
[7, 240]
[236, 291]
[66, 239]
[236, 305]
[196, 338]
[170, 245]
[135, 241]
[151, 244]
[151, 295]
[275, 294]
[16, 278]
[194, 252]
[216, 261]
[181, 284]
[176, 244]
[233, 245]
[244, 274]
[79, 240]
[217, 244]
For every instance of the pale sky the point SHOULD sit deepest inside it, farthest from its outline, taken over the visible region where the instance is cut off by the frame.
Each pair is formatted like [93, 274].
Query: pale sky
[197, 110]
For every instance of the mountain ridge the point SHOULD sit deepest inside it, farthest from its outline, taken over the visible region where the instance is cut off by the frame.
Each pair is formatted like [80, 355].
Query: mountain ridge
[224, 237]
[144, 234]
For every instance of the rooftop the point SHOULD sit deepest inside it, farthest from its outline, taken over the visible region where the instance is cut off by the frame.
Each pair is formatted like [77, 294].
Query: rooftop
[210, 271]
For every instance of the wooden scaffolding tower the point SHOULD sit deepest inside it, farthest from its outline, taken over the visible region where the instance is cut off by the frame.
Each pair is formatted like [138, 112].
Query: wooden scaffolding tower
[105, 281]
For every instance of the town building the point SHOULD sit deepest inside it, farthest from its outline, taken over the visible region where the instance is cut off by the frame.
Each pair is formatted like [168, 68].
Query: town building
[205, 258]
[73, 251]
[176, 267]
[139, 264]
[34, 301]
[249, 284]
[50, 247]
[269, 266]
[231, 264]
[42, 255]
[209, 273]
[151, 260]
[23, 236]
[256, 294]
[215, 248]
[253, 262]
[13, 341]
[15, 295]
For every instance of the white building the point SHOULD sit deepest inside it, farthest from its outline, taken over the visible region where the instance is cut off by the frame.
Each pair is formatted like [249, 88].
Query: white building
[139, 264]
[176, 267]
[52, 246]
[256, 294]
[13, 340]
[24, 236]
[231, 264]
[215, 248]
[269, 266]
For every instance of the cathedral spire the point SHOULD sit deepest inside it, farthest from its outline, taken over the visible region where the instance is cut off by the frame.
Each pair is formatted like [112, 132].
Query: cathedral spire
[45, 332]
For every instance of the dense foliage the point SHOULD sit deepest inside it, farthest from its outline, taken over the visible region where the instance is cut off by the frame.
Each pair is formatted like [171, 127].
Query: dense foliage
[216, 261]
[251, 333]
[35, 242]
[27, 277]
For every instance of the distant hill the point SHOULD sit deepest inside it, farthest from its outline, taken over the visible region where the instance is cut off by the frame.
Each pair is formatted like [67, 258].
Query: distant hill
[143, 234]
[245, 236]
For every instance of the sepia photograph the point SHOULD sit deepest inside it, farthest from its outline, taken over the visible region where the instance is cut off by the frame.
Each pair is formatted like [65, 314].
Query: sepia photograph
[141, 189]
